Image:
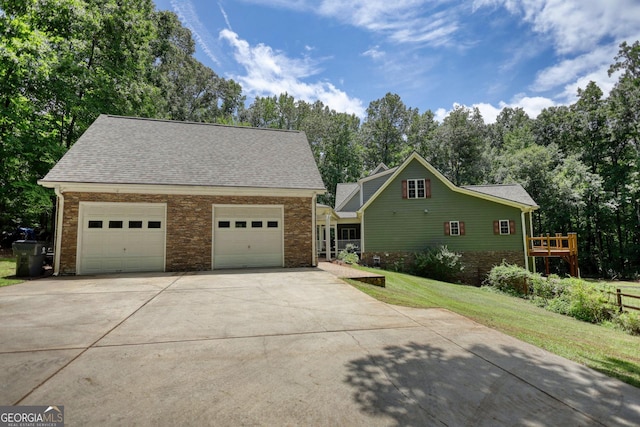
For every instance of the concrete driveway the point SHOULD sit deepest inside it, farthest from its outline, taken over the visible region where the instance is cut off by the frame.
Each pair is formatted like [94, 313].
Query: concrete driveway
[278, 347]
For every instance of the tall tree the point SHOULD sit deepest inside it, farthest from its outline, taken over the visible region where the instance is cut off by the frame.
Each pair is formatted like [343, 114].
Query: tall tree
[459, 146]
[384, 131]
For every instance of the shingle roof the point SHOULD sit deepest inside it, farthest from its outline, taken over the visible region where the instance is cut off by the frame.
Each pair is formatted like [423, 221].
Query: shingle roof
[126, 150]
[512, 192]
[344, 190]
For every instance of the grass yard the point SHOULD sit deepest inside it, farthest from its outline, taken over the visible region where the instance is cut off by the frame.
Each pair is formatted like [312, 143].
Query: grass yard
[605, 349]
[629, 288]
[7, 271]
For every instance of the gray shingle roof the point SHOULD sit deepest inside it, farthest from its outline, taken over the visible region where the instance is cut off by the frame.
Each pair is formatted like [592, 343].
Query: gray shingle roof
[126, 150]
[512, 192]
[344, 190]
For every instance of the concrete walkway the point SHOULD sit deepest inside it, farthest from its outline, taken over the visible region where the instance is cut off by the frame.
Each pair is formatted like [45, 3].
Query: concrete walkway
[278, 347]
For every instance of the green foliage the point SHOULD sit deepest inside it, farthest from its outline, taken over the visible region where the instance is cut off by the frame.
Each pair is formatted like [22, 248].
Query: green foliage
[583, 301]
[572, 297]
[629, 322]
[510, 279]
[547, 288]
[438, 263]
[349, 255]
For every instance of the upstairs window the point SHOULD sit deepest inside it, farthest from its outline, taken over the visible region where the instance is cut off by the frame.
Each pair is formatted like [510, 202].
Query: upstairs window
[416, 188]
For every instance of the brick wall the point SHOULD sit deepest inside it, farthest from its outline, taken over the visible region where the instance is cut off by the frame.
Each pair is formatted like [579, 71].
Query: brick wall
[476, 264]
[189, 229]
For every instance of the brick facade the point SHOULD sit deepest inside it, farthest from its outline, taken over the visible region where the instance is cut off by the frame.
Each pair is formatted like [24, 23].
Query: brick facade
[476, 264]
[189, 228]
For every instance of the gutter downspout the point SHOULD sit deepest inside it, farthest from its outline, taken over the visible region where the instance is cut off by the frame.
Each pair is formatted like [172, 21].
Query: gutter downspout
[524, 240]
[58, 233]
[531, 234]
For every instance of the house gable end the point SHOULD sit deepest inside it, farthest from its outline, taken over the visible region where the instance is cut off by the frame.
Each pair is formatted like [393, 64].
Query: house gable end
[433, 172]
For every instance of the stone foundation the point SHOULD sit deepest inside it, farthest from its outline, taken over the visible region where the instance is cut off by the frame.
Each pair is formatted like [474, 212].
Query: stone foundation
[476, 264]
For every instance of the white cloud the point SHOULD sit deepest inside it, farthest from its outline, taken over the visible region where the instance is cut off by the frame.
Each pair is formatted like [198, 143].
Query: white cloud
[533, 106]
[189, 17]
[575, 25]
[374, 53]
[401, 21]
[270, 72]
[585, 33]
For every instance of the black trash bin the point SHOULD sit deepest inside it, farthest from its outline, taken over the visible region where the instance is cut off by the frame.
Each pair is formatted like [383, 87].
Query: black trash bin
[29, 257]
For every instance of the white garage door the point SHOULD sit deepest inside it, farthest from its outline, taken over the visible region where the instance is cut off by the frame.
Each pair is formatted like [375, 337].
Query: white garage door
[121, 237]
[247, 236]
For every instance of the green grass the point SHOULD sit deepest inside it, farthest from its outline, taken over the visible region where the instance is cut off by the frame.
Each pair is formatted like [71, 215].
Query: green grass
[605, 349]
[630, 288]
[8, 271]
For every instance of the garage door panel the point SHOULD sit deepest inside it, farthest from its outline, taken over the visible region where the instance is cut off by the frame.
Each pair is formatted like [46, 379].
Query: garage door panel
[247, 236]
[117, 237]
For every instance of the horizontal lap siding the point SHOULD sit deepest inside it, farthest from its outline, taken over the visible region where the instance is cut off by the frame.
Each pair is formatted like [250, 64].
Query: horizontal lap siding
[395, 224]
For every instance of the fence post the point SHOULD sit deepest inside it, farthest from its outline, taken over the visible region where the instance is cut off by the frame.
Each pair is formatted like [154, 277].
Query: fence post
[619, 300]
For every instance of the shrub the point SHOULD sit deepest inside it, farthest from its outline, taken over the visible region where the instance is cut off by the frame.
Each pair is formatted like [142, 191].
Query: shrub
[349, 255]
[438, 263]
[509, 278]
[587, 303]
[630, 322]
[547, 288]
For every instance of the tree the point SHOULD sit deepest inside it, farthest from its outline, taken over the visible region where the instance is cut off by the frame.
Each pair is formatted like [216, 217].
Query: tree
[341, 157]
[459, 146]
[384, 132]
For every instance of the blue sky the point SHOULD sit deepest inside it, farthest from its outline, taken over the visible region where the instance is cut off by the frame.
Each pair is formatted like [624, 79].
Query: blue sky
[433, 53]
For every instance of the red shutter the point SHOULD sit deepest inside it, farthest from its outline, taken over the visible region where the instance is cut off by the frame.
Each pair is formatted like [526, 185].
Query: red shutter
[512, 227]
[404, 188]
[496, 227]
[427, 188]
[461, 228]
[447, 231]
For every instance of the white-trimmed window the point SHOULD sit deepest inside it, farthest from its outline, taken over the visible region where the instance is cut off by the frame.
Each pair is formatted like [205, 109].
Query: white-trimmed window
[415, 189]
[504, 227]
[419, 188]
[454, 228]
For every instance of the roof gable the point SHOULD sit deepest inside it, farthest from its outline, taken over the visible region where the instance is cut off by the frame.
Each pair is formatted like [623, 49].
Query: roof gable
[345, 191]
[380, 168]
[126, 150]
[486, 194]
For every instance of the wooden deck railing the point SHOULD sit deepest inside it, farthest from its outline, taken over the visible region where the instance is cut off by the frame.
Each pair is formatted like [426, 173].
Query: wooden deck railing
[565, 247]
[557, 245]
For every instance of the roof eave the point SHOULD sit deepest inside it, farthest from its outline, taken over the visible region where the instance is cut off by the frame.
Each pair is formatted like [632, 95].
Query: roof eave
[69, 186]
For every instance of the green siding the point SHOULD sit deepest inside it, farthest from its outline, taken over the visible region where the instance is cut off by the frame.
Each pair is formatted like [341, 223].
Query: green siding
[394, 224]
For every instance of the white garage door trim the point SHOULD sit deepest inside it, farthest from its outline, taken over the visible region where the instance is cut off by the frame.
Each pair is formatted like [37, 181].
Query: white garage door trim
[246, 236]
[118, 237]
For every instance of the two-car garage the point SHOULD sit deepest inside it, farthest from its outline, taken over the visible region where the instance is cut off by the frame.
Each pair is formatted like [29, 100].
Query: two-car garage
[132, 237]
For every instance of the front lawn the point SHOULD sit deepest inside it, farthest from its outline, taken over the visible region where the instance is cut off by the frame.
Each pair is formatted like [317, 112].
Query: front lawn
[8, 272]
[607, 350]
